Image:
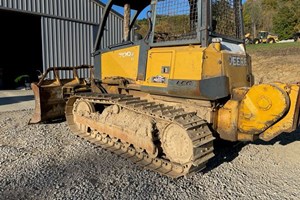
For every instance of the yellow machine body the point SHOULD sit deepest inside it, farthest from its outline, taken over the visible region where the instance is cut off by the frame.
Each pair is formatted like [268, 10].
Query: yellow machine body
[121, 63]
[175, 58]
[160, 99]
[191, 63]
[263, 111]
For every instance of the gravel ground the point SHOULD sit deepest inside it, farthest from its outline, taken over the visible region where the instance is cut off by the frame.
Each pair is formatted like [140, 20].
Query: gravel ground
[46, 161]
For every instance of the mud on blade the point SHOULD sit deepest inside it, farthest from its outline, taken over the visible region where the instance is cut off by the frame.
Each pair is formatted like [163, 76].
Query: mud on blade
[51, 94]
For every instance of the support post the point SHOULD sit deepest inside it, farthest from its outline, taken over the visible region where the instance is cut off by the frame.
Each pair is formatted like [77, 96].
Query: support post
[126, 22]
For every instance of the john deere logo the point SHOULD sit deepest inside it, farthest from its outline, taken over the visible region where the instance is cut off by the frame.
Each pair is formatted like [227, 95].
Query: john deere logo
[237, 61]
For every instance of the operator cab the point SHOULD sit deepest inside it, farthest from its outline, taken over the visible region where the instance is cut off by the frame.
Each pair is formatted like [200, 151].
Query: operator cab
[174, 46]
[170, 22]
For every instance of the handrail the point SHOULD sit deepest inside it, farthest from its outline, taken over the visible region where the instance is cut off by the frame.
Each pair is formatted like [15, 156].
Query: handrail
[56, 74]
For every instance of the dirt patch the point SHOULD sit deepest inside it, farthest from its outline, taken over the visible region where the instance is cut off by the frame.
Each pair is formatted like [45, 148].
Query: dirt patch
[277, 63]
[279, 68]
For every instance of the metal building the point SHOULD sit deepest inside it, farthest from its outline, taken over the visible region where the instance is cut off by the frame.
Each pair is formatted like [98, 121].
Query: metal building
[38, 34]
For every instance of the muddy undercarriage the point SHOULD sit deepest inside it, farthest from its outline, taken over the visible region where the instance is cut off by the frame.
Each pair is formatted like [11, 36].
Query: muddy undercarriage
[155, 136]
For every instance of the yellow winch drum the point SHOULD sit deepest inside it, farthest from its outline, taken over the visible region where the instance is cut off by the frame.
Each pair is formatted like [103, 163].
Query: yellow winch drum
[262, 106]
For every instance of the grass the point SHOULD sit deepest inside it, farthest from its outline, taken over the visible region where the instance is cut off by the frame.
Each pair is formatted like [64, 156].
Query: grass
[274, 49]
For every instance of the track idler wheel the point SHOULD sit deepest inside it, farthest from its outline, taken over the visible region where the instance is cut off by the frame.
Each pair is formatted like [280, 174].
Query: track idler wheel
[176, 144]
[83, 108]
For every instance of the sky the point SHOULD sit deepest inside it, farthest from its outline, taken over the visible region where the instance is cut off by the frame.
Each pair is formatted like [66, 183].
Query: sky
[120, 10]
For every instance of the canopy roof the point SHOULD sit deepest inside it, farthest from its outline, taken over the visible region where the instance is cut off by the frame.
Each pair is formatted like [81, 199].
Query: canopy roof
[134, 4]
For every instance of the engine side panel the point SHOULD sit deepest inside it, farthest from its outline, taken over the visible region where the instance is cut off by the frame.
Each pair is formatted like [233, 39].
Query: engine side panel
[121, 62]
[183, 71]
[180, 63]
[196, 72]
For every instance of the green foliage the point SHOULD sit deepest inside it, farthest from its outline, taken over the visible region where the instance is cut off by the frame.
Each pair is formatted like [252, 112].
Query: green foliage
[20, 78]
[220, 13]
[182, 24]
[278, 49]
[270, 4]
[296, 13]
[143, 25]
[247, 20]
[173, 25]
[279, 16]
[284, 23]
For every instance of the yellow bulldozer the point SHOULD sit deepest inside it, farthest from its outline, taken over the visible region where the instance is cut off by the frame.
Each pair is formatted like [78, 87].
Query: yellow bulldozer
[265, 37]
[262, 37]
[162, 99]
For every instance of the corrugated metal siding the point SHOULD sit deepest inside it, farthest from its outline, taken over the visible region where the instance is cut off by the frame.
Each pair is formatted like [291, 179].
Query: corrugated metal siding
[68, 29]
[66, 43]
[83, 10]
[114, 31]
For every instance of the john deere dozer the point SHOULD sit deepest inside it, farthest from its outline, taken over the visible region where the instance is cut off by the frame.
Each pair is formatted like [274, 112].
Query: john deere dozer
[162, 99]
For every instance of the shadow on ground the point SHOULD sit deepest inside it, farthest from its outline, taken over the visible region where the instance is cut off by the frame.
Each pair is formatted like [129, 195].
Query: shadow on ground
[224, 152]
[227, 151]
[283, 139]
[16, 99]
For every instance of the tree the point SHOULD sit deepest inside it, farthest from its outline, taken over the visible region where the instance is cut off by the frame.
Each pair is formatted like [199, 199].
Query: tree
[296, 12]
[270, 10]
[247, 19]
[253, 13]
[287, 20]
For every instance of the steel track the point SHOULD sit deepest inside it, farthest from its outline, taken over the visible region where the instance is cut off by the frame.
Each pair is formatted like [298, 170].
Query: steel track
[195, 127]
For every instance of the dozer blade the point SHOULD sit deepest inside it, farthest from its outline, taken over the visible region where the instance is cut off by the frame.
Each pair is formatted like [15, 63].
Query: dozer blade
[51, 95]
[49, 103]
